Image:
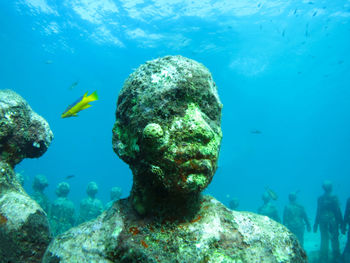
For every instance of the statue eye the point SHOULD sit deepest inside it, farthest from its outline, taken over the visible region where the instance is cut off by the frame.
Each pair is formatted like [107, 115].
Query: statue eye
[211, 107]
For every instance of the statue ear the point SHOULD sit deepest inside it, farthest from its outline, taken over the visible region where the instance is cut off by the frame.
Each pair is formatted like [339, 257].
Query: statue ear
[152, 134]
[125, 143]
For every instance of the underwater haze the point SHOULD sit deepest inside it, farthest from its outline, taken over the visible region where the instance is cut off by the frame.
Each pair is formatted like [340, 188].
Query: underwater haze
[282, 69]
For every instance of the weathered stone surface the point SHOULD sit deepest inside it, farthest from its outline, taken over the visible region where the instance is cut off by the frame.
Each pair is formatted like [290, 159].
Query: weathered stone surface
[168, 131]
[23, 133]
[24, 229]
[154, 95]
[214, 234]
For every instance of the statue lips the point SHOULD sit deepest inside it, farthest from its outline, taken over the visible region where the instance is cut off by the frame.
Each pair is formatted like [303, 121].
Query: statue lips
[196, 166]
[186, 153]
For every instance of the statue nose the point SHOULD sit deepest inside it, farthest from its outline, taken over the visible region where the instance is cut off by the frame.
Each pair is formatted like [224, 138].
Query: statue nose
[199, 130]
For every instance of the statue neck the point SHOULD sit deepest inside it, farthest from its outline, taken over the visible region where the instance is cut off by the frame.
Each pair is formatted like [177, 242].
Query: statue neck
[153, 200]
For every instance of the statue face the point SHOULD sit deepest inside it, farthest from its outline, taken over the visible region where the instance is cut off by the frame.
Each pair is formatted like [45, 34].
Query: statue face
[168, 125]
[183, 155]
[92, 189]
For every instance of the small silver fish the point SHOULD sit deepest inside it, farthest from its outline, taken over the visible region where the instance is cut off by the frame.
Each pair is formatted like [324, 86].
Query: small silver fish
[307, 30]
[255, 132]
[70, 176]
[74, 84]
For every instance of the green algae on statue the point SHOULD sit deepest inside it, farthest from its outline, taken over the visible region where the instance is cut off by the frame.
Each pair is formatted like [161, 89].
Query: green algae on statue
[168, 131]
[90, 207]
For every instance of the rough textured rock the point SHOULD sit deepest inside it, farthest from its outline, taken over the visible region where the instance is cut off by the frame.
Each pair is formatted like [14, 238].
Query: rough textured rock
[24, 229]
[23, 133]
[168, 131]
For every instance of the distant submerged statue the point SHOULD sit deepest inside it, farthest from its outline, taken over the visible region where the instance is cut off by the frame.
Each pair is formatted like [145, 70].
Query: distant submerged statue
[295, 218]
[168, 130]
[62, 213]
[330, 220]
[39, 184]
[115, 194]
[346, 253]
[90, 207]
[268, 208]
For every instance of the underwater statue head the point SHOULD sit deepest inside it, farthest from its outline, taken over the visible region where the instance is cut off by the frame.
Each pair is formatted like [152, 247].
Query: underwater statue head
[327, 186]
[116, 193]
[266, 197]
[92, 189]
[168, 130]
[292, 197]
[23, 133]
[40, 183]
[62, 189]
[234, 203]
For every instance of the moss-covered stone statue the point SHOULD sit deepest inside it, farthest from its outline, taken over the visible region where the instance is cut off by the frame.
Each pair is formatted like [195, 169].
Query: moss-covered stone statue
[168, 130]
[115, 194]
[62, 216]
[39, 184]
[90, 207]
[24, 229]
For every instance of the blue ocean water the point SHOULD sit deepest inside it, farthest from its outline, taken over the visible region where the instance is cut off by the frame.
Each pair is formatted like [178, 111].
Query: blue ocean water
[282, 69]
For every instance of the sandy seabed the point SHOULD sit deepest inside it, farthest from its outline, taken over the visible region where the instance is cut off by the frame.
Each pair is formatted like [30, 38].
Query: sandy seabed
[312, 243]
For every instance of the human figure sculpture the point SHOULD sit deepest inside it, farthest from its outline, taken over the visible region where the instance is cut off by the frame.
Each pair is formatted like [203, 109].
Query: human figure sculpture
[116, 193]
[24, 228]
[346, 253]
[295, 218]
[234, 203]
[168, 131]
[268, 208]
[330, 221]
[39, 184]
[90, 207]
[62, 215]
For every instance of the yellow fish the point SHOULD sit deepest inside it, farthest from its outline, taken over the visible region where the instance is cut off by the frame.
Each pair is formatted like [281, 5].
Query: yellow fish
[81, 104]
